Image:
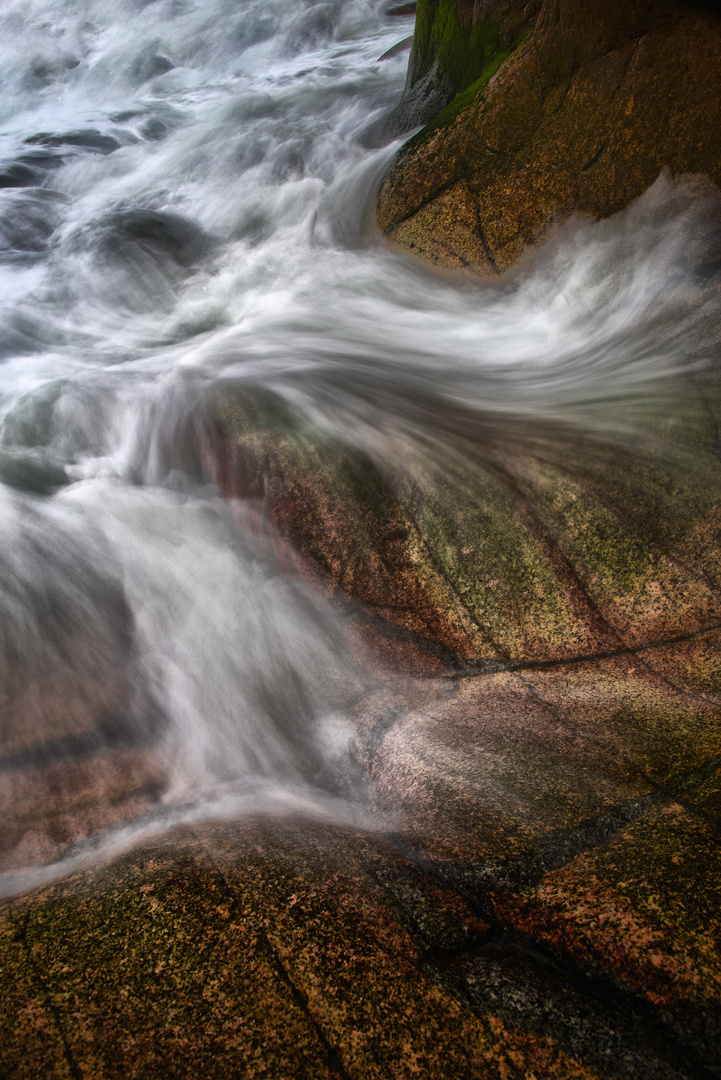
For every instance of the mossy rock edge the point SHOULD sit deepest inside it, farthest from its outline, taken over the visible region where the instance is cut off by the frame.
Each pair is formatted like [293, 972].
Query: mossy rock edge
[581, 116]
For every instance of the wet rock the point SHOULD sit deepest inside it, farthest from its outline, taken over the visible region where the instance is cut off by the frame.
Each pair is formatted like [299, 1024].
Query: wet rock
[552, 788]
[334, 505]
[582, 115]
[90, 140]
[455, 46]
[28, 220]
[30, 169]
[642, 908]
[162, 955]
[542, 545]
[149, 64]
[32, 1043]
[269, 948]
[31, 472]
[526, 989]
[505, 767]
[154, 234]
[51, 806]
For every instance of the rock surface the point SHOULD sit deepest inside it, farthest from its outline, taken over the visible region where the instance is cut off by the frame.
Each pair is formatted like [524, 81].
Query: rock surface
[540, 895]
[541, 753]
[581, 116]
[541, 545]
[276, 948]
[454, 46]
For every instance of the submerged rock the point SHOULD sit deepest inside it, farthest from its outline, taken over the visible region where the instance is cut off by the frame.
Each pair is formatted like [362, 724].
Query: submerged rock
[541, 545]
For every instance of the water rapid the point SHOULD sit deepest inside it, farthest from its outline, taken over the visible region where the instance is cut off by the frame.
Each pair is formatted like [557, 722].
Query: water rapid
[186, 192]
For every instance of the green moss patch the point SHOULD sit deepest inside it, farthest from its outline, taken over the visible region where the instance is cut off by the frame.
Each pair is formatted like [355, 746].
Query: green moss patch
[487, 55]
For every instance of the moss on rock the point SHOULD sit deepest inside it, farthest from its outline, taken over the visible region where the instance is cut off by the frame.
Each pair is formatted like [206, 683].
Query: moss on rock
[265, 949]
[625, 908]
[541, 545]
[457, 48]
[272, 947]
[582, 117]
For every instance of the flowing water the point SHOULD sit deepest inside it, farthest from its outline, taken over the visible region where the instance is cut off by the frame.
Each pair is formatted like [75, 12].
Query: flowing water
[185, 204]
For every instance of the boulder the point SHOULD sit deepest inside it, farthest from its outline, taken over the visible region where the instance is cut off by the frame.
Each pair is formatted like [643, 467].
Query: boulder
[577, 114]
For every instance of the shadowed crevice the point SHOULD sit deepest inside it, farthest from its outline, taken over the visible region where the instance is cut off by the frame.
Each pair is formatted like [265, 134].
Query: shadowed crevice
[559, 847]
[594, 1018]
[584, 658]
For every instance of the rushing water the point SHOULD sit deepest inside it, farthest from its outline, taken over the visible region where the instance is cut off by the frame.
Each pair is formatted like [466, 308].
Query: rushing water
[185, 193]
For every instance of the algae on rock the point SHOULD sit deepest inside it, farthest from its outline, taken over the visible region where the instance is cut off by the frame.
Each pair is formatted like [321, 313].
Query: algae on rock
[457, 47]
[526, 546]
[581, 117]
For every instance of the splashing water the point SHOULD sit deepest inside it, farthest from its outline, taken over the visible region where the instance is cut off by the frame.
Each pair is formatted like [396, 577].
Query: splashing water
[185, 194]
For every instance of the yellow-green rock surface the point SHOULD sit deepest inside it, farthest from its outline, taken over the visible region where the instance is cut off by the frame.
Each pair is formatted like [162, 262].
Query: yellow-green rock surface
[581, 116]
[564, 942]
[528, 546]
